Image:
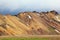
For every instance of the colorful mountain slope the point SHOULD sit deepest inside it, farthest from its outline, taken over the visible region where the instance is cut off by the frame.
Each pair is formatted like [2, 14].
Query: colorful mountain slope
[30, 23]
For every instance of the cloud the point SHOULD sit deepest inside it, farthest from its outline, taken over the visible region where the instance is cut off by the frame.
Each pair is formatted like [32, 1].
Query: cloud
[29, 4]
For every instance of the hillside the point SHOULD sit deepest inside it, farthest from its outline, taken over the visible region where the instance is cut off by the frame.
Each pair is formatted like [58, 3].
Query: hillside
[30, 23]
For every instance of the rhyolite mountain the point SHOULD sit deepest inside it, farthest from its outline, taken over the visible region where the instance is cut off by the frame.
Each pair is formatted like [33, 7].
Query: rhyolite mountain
[30, 23]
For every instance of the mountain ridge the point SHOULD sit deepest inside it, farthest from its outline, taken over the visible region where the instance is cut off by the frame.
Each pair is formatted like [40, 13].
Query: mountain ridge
[30, 23]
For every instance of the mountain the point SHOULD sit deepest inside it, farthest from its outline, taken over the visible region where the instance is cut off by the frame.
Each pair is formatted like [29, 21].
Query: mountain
[30, 23]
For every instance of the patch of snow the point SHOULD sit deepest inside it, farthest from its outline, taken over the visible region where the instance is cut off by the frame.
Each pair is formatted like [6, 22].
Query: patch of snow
[57, 31]
[29, 16]
[57, 18]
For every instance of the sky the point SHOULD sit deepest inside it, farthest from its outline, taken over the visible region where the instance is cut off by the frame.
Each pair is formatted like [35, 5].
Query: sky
[15, 6]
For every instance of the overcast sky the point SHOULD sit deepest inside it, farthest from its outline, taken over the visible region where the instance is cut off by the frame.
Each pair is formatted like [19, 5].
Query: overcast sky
[9, 6]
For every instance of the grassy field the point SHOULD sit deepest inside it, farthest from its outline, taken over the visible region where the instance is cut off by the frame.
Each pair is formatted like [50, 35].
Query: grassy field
[31, 38]
[24, 39]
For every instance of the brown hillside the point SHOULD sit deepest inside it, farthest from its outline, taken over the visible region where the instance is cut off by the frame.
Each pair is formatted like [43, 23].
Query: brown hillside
[30, 23]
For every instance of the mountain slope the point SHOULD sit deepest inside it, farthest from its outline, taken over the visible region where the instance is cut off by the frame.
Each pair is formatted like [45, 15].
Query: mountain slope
[30, 23]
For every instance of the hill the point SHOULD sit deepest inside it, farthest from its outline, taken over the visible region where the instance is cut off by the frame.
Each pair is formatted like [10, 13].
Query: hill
[30, 23]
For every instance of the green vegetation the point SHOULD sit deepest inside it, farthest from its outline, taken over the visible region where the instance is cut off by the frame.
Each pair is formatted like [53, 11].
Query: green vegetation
[24, 38]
